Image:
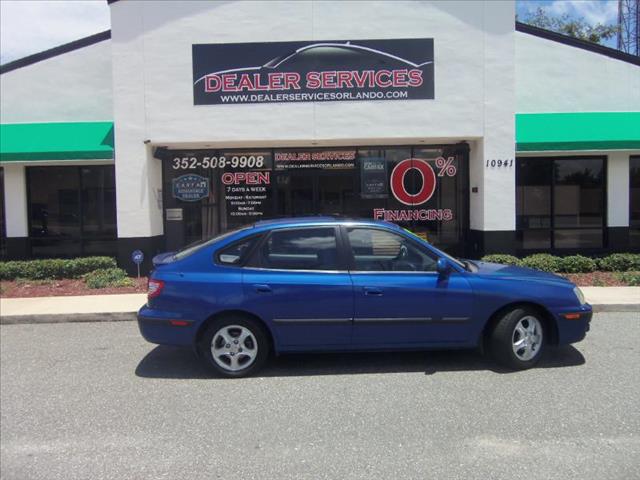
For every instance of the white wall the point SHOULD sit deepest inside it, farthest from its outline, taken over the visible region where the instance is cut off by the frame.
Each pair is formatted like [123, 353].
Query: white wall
[152, 40]
[15, 200]
[553, 77]
[72, 87]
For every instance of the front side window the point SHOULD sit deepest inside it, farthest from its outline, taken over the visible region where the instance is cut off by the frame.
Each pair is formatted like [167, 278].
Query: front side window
[303, 249]
[381, 251]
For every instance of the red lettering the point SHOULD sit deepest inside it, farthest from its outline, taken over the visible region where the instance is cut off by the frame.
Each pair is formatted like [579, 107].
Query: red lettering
[275, 81]
[228, 80]
[245, 82]
[344, 79]
[212, 83]
[415, 78]
[292, 80]
[383, 83]
[313, 80]
[400, 78]
[329, 79]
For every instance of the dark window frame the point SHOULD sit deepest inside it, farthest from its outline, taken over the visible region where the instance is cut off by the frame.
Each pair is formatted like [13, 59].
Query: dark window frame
[552, 227]
[633, 228]
[82, 240]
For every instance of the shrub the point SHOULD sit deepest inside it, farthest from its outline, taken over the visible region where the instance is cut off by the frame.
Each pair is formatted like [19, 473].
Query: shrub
[53, 268]
[630, 278]
[577, 264]
[620, 262]
[542, 261]
[110, 277]
[501, 258]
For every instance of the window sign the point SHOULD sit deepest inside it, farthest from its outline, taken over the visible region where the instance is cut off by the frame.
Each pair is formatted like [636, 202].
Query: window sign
[316, 159]
[316, 71]
[190, 188]
[373, 177]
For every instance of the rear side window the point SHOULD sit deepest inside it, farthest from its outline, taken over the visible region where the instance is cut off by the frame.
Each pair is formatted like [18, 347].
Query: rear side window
[303, 249]
[237, 252]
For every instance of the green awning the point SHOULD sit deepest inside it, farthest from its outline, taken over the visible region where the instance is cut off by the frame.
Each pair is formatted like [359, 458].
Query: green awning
[21, 142]
[577, 131]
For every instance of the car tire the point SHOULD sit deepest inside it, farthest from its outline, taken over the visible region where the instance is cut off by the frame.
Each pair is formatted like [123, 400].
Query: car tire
[518, 338]
[234, 346]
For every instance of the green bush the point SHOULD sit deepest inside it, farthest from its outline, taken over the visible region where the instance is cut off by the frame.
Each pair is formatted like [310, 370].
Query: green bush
[501, 258]
[630, 278]
[620, 262]
[577, 264]
[110, 277]
[542, 261]
[53, 268]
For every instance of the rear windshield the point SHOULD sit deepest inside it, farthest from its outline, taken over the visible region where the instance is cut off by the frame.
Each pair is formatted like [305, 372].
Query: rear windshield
[199, 245]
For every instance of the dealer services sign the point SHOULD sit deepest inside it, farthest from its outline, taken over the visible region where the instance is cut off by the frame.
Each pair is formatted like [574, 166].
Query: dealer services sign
[317, 71]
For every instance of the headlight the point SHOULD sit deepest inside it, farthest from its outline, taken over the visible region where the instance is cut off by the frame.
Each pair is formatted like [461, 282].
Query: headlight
[580, 295]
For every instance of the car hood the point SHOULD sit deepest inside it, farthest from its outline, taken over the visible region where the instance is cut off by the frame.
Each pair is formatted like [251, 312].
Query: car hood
[497, 270]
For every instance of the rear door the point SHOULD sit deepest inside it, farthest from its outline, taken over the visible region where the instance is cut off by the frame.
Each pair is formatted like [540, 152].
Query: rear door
[399, 297]
[297, 281]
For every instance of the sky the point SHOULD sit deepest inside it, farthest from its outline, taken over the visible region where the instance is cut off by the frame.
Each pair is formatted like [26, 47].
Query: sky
[28, 27]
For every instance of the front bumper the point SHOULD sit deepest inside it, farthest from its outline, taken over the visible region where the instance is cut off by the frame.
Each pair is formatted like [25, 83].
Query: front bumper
[573, 324]
[165, 328]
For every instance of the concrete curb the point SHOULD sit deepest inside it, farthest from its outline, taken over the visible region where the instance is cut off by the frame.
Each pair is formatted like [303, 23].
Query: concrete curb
[131, 316]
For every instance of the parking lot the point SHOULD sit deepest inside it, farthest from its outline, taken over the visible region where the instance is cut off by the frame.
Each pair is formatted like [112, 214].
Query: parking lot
[94, 401]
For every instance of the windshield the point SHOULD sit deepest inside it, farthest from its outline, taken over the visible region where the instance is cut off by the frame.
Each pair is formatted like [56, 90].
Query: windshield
[200, 244]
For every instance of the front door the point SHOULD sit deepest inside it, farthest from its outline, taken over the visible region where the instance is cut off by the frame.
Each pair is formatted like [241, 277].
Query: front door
[399, 298]
[296, 281]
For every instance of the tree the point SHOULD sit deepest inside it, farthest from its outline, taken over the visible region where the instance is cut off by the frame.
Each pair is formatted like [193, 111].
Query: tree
[574, 27]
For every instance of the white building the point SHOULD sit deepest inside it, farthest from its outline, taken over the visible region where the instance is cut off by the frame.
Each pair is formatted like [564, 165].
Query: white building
[191, 118]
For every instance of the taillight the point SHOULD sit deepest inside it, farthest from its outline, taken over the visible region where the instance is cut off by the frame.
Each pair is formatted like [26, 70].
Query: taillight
[154, 287]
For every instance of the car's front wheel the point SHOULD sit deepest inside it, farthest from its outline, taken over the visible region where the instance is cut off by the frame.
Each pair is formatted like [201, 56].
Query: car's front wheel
[517, 341]
[234, 347]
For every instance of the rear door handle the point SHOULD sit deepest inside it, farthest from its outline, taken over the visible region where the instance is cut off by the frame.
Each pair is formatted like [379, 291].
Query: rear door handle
[373, 291]
[262, 288]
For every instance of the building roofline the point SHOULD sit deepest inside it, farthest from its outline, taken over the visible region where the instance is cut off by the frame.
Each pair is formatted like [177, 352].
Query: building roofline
[55, 51]
[577, 43]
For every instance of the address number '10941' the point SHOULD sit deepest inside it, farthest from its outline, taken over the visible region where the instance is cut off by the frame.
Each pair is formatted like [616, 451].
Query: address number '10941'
[237, 161]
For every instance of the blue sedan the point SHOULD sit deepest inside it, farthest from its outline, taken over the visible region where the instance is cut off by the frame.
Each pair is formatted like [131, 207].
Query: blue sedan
[329, 284]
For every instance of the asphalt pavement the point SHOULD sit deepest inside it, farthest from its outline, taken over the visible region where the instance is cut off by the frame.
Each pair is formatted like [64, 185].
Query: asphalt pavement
[95, 401]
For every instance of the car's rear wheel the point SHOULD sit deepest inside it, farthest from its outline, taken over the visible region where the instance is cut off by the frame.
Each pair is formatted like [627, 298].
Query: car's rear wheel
[234, 346]
[517, 340]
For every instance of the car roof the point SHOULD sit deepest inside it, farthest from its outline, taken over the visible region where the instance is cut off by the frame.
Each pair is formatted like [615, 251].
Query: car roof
[320, 220]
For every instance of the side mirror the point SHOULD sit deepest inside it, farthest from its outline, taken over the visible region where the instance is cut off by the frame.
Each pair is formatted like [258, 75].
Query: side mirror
[443, 266]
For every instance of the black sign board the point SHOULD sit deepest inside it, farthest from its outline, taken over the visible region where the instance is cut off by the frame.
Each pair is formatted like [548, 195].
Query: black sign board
[317, 71]
[373, 177]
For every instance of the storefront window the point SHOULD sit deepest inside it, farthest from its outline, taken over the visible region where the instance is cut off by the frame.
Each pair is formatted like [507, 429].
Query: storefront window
[424, 189]
[560, 203]
[72, 210]
[634, 201]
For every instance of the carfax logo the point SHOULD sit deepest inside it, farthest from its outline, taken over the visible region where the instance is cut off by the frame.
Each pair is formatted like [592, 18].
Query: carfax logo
[190, 188]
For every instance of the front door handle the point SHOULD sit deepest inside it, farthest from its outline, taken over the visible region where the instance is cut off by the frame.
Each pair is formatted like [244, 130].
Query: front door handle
[373, 291]
[262, 288]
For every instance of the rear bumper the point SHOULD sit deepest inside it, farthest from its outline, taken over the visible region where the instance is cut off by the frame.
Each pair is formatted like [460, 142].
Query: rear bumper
[165, 329]
[573, 325]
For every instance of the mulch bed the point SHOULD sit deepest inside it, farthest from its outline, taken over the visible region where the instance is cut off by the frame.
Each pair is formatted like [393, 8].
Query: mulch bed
[595, 279]
[64, 288]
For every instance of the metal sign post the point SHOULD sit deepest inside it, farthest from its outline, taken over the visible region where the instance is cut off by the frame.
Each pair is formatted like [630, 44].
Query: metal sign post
[137, 257]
